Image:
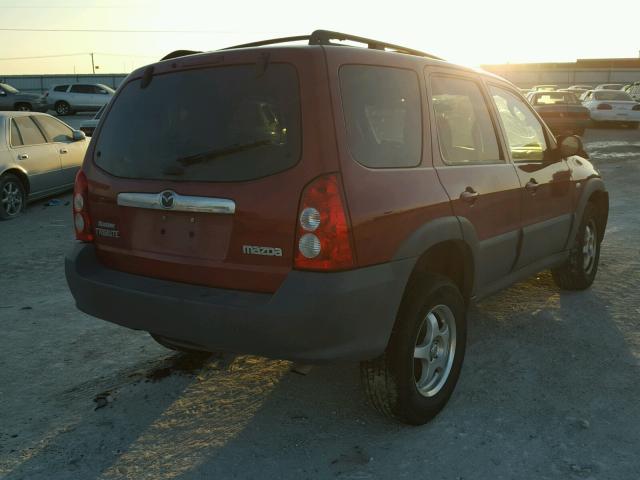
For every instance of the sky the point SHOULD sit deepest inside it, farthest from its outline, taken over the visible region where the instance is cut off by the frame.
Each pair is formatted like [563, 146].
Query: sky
[469, 32]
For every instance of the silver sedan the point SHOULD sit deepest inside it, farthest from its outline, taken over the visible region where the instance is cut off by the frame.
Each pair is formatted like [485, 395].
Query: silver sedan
[39, 156]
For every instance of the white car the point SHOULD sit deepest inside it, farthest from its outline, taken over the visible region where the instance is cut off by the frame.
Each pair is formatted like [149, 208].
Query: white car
[612, 106]
[609, 86]
[78, 97]
[89, 126]
[39, 156]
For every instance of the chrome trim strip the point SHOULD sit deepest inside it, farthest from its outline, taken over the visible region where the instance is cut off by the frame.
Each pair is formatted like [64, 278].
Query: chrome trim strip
[181, 203]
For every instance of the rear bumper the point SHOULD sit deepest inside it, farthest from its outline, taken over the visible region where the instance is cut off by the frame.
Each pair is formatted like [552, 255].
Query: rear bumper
[615, 115]
[313, 317]
[566, 124]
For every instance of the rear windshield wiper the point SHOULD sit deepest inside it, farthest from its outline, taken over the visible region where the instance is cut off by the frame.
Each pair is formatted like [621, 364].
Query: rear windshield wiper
[220, 152]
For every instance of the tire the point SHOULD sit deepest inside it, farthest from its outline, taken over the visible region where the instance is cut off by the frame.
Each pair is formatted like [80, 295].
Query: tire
[63, 108]
[176, 346]
[580, 269]
[23, 107]
[12, 197]
[391, 380]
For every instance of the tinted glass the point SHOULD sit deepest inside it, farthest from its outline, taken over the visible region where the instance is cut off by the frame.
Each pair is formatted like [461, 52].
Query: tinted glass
[465, 130]
[612, 95]
[525, 133]
[16, 139]
[61, 88]
[215, 124]
[29, 131]
[8, 88]
[382, 114]
[83, 89]
[55, 130]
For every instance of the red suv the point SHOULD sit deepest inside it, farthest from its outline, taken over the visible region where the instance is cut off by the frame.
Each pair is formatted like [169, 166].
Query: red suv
[326, 202]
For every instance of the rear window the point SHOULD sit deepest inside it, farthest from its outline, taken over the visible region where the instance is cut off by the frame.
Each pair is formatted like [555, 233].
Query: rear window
[555, 98]
[217, 124]
[612, 95]
[382, 114]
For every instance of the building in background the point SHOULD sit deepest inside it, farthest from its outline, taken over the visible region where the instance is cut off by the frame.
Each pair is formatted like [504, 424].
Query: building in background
[583, 71]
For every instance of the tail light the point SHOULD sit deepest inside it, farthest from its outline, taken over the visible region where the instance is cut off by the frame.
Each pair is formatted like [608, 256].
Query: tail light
[636, 107]
[323, 237]
[605, 106]
[46, 94]
[81, 219]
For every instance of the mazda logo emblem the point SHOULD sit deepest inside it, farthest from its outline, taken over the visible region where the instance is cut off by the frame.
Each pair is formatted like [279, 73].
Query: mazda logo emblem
[167, 199]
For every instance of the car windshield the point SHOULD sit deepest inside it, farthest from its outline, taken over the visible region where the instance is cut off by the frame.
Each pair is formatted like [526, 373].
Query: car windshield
[8, 88]
[612, 95]
[213, 124]
[555, 98]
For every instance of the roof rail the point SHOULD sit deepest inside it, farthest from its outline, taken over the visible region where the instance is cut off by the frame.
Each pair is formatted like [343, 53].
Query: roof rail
[178, 53]
[325, 37]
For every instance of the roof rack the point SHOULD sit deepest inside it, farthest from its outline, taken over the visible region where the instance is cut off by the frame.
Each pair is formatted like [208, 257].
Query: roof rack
[325, 37]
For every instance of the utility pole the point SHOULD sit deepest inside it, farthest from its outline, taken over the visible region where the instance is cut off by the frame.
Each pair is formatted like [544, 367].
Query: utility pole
[93, 65]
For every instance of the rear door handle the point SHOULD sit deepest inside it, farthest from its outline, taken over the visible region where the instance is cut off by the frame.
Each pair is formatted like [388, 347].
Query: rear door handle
[469, 195]
[532, 185]
[63, 150]
[23, 156]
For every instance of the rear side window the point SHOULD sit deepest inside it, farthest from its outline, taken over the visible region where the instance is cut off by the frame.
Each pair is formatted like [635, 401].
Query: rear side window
[223, 124]
[382, 113]
[465, 130]
[83, 89]
[61, 88]
[29, 131]
[16, 139]
[55, 130]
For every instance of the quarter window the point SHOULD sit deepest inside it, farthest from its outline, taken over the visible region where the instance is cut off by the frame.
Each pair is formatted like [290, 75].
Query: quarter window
[382, 113]
[525, 134]
[16, 139]
[61, 88]
[29, 131]
[465, 129]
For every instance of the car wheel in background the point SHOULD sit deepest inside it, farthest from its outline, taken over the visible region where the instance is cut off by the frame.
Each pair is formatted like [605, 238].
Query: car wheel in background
[23, 107]
[581, 267]
[12, 197]
[413, 380]
[63, 108]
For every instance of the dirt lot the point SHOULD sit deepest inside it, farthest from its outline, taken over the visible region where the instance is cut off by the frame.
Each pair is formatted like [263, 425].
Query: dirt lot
[549, 388]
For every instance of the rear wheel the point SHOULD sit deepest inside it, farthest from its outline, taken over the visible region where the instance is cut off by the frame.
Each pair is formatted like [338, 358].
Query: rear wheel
[580, 269]
[12, 197]
[23, 107]
[413, 380]
[63, 108]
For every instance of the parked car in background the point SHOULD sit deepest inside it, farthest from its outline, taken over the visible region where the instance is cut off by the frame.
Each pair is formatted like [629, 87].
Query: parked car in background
[88, 126]
[561, 111]
[13, 99]
[300, 212]
[78, 97]
[609, 86]
[612, 106]
[634, 91]
[540, 88]
[580, 87]
[39, 156]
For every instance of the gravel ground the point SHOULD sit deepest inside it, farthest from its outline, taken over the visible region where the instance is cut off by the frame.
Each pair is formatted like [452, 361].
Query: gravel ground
[549, 388]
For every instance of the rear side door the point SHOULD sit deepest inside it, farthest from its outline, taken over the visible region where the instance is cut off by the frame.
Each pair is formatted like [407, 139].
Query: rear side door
[81, 96]
[32, 152]
[70, 152]
[545, 177]
[481, 182]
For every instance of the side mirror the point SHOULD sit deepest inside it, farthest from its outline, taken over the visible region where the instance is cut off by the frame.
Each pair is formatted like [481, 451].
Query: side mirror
[78, 135]
[569, 146]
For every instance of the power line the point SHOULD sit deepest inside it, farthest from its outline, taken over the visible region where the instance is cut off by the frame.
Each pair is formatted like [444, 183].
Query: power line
[79, 54]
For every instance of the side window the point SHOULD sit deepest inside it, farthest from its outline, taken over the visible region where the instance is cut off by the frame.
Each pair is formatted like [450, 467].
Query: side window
[61, 88]
[55, 130]
[465, 130]
[525, 134]
[16, 138]
[382, 112]
[31, 134]
[82, 89]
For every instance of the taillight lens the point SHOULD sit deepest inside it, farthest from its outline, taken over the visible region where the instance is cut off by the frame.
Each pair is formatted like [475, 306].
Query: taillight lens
[81, 220]
[605, 106]
[323, 240]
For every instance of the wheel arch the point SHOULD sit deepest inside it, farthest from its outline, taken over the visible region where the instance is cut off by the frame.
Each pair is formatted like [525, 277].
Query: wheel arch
[594, 192]
[22, 176]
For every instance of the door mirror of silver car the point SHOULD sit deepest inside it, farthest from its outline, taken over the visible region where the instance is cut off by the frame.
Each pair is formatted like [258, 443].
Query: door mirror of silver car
[78, 135]
[571, 145]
